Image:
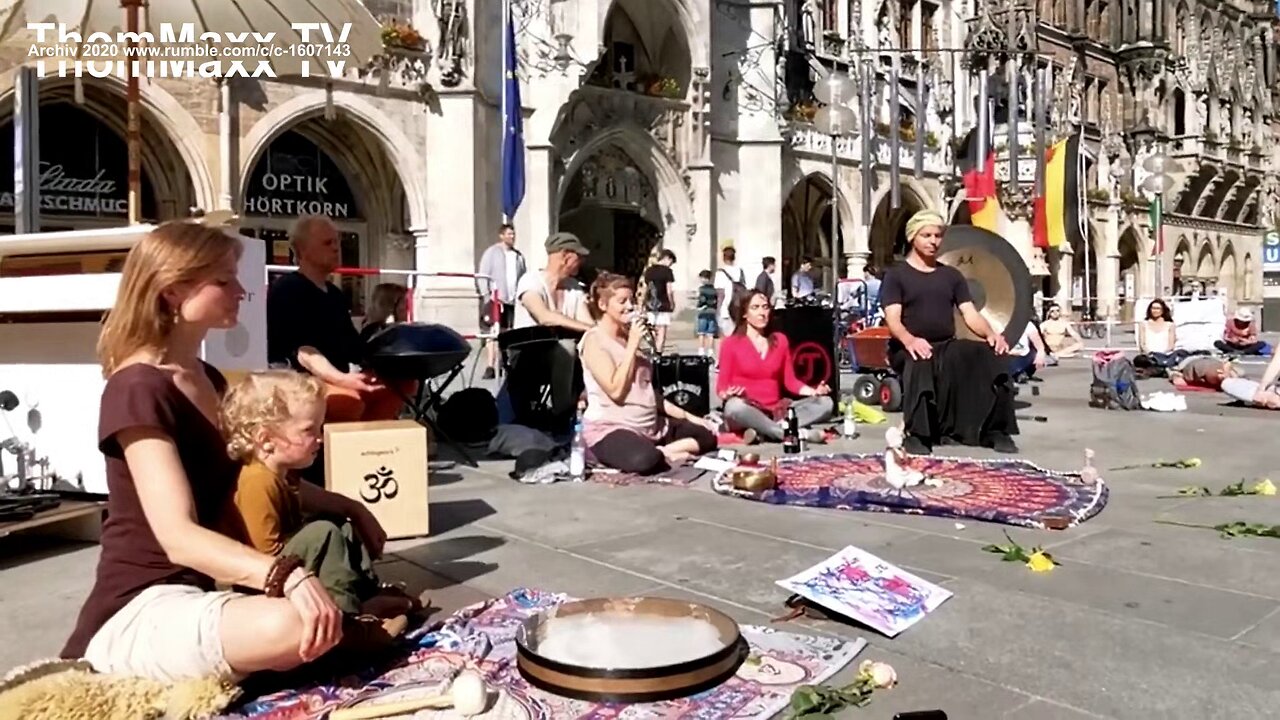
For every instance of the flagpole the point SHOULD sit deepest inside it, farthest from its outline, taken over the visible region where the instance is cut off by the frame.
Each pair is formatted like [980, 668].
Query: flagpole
[502, 143]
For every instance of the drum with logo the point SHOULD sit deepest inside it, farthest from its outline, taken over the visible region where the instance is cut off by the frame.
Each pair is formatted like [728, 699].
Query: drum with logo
[811, 332]
[685, 380]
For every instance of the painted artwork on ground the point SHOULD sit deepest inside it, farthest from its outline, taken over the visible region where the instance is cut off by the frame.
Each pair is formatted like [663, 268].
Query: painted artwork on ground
[861, 586]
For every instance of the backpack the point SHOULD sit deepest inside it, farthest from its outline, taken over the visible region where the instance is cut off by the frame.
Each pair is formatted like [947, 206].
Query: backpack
[1114, 384]
[739, 286]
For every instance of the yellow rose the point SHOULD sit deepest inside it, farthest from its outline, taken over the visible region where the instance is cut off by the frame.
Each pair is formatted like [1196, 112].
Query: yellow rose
[882, 675]
[1040, 562]
[1264, 487]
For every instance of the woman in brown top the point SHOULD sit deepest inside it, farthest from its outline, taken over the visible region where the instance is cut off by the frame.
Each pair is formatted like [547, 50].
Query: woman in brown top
[153, 610]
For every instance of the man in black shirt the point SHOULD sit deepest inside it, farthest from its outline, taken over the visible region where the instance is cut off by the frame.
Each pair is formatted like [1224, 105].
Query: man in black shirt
[309, 328]
[954, 390]
[764, 281]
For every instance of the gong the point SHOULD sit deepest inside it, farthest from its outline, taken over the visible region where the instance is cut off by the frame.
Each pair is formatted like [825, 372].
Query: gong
[998, 278]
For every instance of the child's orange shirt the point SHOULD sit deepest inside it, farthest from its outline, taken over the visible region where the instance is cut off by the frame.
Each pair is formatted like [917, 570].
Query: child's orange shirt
[268, 506]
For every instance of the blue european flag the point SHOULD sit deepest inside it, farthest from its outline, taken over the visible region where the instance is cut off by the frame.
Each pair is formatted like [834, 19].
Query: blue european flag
[512, 122]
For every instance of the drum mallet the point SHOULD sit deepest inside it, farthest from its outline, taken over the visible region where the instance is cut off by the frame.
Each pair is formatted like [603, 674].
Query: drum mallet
[467, 694]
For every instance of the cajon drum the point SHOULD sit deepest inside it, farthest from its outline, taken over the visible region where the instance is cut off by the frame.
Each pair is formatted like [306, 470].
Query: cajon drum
[382, 465]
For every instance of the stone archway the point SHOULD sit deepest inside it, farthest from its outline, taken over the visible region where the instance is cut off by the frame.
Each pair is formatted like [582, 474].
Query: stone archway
[1228, 274]
[84, 163]
[367, 125]
[612, 206]
[581, 137]
[335, 167]
[1130, 276]
[1206, 265]
[1183, 270]
[806, 228]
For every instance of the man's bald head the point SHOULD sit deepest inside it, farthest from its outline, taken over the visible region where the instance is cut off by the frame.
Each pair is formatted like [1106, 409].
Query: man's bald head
[315, 243]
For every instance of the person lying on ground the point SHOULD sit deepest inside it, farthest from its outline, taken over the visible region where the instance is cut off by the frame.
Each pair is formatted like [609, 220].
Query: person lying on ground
[1060, 334]
[755, 367]
[627, 425]
[1240, 337]
[153, 611]
[273, 422]
[1202, 372]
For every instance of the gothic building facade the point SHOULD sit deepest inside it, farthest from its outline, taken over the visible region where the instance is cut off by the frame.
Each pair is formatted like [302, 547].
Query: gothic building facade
[696, 123]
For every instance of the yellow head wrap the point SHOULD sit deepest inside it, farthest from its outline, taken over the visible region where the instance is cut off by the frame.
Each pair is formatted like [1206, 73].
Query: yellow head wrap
[922, 220]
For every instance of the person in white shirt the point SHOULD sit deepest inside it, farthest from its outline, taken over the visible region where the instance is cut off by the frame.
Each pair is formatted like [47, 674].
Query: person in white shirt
[502, 266]
[730, 279]
[553, 296]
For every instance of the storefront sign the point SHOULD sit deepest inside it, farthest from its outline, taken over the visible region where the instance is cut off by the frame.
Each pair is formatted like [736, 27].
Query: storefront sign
[1271, 252]
[63, 194]
[297, 178]
[84, 167]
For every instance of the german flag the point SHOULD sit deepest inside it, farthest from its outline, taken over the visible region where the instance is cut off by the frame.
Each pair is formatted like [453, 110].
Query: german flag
[1059, 211]
[980, 183]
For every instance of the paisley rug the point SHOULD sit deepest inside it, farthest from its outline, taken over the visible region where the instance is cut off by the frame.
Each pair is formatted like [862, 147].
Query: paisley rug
[483, 636]
[1012, 492]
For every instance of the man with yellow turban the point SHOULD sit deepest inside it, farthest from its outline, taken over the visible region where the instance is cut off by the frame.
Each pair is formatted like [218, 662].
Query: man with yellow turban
[954, 390]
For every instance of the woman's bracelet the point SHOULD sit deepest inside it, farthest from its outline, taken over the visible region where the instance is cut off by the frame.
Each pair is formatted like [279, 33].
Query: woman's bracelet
[289, 588]
[280, 571]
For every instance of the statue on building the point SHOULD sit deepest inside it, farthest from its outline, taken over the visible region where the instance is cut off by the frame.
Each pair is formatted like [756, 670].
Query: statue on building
[1202, 111]
[1246, 122]
[1224, 121]
[809, 24]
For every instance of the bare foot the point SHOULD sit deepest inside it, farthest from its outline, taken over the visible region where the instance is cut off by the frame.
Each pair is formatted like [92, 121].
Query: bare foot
[677, 457]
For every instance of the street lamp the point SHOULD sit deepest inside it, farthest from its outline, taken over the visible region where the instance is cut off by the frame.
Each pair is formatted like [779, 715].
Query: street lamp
[1159, 183]
[836, 119]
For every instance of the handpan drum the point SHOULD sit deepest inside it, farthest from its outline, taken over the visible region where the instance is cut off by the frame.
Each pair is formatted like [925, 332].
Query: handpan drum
[629, 650]
[999, 280]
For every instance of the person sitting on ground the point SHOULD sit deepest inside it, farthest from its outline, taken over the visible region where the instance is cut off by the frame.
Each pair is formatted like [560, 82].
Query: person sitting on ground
[1060, 335]
[273, 422]
[153, 611]
[1240, 336]
[1028, 355]
[1158, 338]
[1202, 372]
[953, 390]
[627, 425]
[755, 368]
[386, 308]
[309, 328]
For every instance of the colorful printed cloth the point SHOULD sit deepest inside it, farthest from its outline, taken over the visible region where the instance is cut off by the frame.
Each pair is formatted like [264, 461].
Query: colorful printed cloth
[1012, 492]
[483, 637]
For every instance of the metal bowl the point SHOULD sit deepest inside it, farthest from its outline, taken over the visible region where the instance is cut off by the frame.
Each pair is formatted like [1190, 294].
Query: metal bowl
[630, 685]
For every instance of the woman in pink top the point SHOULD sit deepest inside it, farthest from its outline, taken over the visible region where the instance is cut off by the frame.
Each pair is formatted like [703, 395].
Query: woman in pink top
[755, 368]
[627, 427]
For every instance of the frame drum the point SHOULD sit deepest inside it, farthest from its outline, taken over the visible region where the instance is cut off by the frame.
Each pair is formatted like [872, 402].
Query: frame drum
[654, 680]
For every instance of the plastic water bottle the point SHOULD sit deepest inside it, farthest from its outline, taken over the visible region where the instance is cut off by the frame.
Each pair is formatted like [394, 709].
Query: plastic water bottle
[578, 450]
[850, 427]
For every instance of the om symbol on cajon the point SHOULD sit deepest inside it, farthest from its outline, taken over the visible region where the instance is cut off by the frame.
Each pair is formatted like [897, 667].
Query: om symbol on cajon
[379, 485]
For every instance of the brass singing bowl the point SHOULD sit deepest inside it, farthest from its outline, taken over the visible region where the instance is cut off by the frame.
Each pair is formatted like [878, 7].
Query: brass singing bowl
[753, 479]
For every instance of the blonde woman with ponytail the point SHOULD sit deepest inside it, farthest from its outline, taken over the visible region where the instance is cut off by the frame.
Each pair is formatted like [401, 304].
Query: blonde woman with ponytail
[153, 610]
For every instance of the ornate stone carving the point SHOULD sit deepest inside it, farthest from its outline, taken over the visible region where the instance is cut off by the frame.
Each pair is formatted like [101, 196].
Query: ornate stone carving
[593, 109]
[452, 56]
[398, 69]
[611, 179]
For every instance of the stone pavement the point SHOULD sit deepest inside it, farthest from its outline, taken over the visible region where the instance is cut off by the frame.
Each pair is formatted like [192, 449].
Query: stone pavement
[1141, 621]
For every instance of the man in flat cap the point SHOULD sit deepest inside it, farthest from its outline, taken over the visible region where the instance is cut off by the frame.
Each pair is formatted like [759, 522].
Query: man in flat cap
[953, 390]
[545, 378]
[553, 296]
